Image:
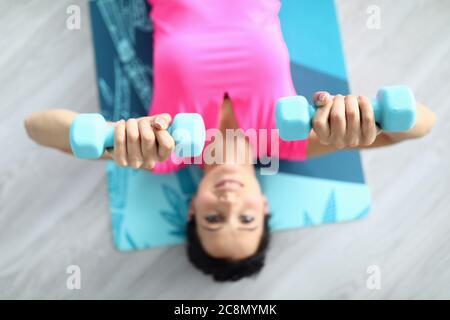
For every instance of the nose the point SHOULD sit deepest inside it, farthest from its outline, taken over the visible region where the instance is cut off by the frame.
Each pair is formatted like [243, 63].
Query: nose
[228, 199]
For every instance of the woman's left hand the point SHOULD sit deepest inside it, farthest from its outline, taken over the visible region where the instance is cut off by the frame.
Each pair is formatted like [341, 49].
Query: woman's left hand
[344, 121]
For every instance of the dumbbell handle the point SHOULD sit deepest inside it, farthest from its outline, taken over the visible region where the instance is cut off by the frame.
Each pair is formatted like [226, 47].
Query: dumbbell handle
[109, 136]
[378, 116]
[375, 106]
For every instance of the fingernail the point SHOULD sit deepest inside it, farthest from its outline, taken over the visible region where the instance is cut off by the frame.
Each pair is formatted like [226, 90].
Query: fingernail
[322, 97]
[160, 122]
[136, 164]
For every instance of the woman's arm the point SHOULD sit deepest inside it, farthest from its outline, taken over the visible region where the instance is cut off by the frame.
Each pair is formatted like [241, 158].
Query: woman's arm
[51, 128]
[424, 123]
[366, 135]
[138, 143]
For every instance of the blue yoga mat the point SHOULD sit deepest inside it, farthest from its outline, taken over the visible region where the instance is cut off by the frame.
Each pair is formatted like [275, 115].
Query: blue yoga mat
[150, 210]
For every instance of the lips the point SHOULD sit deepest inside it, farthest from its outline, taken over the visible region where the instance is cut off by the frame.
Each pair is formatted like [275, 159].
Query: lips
[229, 184]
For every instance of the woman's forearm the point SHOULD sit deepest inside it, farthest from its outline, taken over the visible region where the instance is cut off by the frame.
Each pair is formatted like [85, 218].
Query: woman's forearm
[425, 120]
[51, 128]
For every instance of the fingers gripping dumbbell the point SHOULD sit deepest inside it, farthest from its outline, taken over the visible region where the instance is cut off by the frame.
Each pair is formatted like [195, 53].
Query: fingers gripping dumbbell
[394, 109]
[90, 135]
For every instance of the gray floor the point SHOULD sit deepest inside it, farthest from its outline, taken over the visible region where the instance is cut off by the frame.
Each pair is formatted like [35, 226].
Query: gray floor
[54, 210]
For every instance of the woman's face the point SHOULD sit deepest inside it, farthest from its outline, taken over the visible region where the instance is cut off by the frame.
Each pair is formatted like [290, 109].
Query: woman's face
[229, 209]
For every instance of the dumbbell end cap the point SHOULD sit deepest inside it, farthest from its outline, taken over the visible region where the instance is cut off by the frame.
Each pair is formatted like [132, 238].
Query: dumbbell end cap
[188, 131]
[400, 108]
[293, 118]
[87, 137]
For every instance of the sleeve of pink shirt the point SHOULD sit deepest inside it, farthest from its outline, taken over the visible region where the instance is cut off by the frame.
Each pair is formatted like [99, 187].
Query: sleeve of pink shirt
[294, 150]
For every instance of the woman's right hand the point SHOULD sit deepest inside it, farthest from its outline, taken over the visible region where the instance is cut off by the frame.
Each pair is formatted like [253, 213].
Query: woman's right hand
[140, 143]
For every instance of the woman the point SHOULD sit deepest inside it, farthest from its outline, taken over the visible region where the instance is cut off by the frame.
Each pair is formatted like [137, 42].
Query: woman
[227, 61]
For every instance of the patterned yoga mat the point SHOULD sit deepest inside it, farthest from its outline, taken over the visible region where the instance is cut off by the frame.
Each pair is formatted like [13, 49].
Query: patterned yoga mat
[150, 210]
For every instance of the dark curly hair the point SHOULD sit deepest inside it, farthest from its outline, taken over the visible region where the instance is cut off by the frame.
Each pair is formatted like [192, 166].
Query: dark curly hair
[223, 269]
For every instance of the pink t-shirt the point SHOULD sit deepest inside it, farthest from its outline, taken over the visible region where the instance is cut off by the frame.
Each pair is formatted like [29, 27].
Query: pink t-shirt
[206, 49]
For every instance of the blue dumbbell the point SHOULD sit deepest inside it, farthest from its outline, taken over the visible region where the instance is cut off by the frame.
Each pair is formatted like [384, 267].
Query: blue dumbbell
[90, 135]
[394, 109]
